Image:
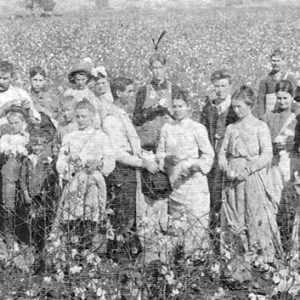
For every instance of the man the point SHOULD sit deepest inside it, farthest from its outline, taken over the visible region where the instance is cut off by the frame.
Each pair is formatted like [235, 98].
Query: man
[10, 95]
[153, 103]
[217, 113]
[123, 92]
[122, 182]
[266, 98]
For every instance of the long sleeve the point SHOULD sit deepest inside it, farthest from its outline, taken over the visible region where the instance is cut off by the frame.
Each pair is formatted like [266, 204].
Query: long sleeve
[161, 148]
[24, 176]
[34, 114]
[266, 152]
[108, 153]
[142, 115]
[115, 131]
[62, 159]
[204, 114]
[222, 160]
[261, 97]
[207, 153]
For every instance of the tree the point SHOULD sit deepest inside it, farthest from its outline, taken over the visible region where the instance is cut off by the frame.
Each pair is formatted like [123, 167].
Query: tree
[45, 5]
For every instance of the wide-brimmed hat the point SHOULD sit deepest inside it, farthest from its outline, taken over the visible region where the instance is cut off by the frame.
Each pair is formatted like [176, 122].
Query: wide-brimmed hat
[155, 186]
[85, 67]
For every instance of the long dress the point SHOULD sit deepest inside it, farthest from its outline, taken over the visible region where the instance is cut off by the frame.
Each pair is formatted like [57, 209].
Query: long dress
[249, 206]
[84, 196]
[282, 126]
[186, 142]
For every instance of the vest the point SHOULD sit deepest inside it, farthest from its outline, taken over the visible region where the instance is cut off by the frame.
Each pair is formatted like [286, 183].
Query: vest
[149, 132]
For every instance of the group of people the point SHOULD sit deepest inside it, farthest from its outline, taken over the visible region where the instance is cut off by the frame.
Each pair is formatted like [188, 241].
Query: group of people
[146, 182]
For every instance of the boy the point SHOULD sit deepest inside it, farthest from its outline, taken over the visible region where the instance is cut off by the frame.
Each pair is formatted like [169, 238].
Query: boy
[10, 95]
[266, 98]
[217, 113]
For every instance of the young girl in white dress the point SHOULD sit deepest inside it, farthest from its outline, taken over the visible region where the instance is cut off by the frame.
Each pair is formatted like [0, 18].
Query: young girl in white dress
[186, 154]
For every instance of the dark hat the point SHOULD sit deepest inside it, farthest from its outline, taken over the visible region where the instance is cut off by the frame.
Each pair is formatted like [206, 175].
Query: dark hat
[17, 109]
[155, 186]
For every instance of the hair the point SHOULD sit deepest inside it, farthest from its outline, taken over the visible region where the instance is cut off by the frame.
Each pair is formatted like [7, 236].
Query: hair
[277, 52]
[71, 76]
[120, 84]
[37, 70]
[85, 104]
[221, 74]
[285, 86]
[6, 67]
[38, 136]
[180, 94]
[246, 94]
[157, 57]
[70, 99]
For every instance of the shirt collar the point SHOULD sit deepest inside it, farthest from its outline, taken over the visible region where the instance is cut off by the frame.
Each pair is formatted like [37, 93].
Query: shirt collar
[223, 106]
[159, 86]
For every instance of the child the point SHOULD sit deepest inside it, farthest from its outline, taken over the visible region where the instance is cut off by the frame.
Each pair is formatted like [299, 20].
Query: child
[68, 123]
[37, 183]
[79, 77]
[12, 151]
[85, 156]
[43, 101]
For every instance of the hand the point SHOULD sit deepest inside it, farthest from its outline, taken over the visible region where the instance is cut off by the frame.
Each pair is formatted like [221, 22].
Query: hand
[231, 175]
[94, 164]
[195, 168]
[27, 198]
[243, 175]
[25, 103]
[150, 165]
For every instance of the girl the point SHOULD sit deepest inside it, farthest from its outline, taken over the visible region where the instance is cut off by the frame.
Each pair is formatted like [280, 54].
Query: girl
[46, 105]
[79, 77]
[102, 90]
[85, 156]
[282, 124]
[249, 207]
[178, 151]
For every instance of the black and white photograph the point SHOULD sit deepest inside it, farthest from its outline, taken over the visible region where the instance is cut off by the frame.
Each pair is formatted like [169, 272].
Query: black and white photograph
[150, 149]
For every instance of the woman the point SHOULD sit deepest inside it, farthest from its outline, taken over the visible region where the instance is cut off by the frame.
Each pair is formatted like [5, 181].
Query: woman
[249, 207]
[180, 143]
[85, 156]
[282, 124]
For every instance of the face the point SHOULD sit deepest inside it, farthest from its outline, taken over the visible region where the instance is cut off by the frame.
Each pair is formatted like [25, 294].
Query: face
[284, 100]
[37, 82]
[240, 108]
[83, 118]
[68, 113]
[126, 96]
[5, 81]
[158, 71]
[37, 147]
[80, 80]
[222, 88]
[276, 63]
[16, 123]
[102, 86]
[180, 109]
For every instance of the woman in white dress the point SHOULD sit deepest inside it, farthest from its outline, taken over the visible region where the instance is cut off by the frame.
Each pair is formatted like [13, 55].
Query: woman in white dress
[185, 153]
